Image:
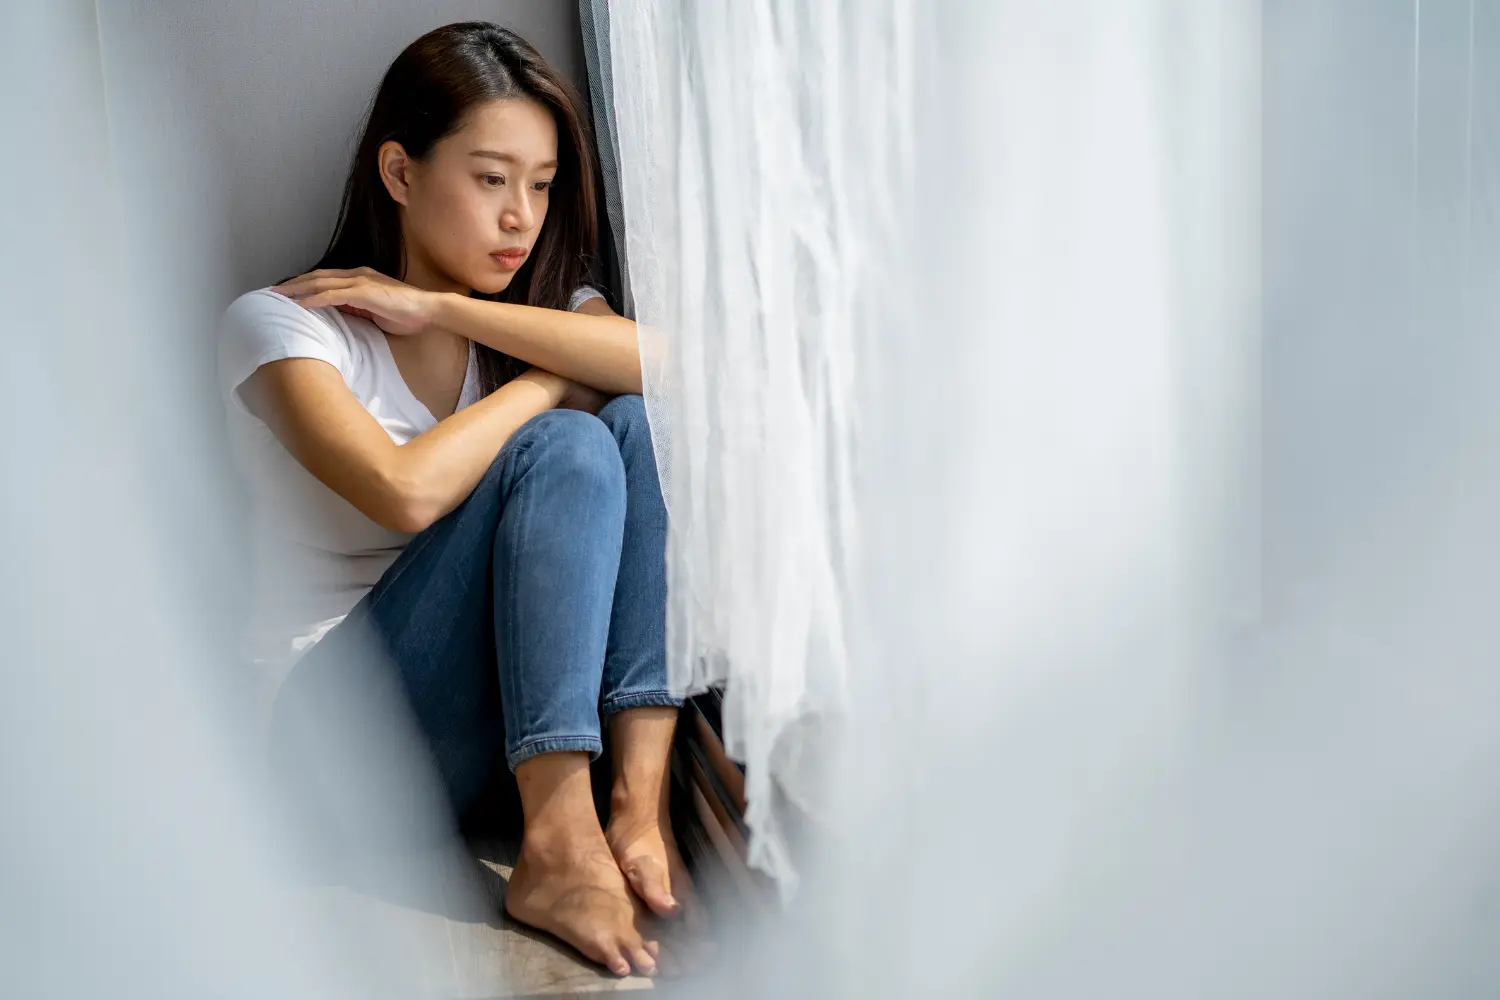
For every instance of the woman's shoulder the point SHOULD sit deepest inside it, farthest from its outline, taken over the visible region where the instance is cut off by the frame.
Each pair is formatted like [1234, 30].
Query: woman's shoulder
[582, 294]
[266, 308]
[263, 326]
[265, 314]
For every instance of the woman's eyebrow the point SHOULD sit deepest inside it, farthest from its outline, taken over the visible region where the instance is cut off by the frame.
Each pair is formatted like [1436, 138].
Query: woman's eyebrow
[508, 158]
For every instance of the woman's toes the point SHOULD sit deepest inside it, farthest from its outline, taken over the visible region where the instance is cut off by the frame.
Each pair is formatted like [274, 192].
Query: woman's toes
[649, 880]
[667, 963]
[608, 952]
[583, 898]
[644, 961]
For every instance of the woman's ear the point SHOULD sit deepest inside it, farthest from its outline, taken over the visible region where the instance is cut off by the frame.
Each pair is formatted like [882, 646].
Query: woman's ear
[395, 170]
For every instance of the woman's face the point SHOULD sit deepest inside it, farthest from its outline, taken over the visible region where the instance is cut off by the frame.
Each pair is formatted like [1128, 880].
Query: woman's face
[475, 206]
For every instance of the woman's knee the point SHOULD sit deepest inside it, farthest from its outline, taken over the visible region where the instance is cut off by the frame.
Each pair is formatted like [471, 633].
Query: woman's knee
[624, 414]
[576, 444]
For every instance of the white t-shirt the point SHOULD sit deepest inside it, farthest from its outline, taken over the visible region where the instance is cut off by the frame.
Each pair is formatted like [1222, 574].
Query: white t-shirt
[314, 555]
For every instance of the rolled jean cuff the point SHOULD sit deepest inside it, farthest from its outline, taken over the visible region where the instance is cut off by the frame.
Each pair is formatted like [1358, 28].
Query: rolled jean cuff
[640, 699]
[591, 745]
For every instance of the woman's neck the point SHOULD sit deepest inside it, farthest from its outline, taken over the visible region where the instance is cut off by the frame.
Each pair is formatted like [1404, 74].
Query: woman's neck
[419, 274]
[430, 345]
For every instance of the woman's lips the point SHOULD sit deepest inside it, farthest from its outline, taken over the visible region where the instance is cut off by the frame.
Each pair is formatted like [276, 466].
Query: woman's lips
[509, 259]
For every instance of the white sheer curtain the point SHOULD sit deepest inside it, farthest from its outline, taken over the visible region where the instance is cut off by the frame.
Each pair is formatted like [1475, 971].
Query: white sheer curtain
[762, 148]
[992, 262]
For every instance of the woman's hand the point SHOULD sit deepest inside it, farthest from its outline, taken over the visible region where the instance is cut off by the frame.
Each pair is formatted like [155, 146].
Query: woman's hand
[394, 306]
[578, 396]
[565, 393]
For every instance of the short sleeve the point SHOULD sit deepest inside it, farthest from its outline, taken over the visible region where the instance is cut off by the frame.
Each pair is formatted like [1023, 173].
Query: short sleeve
[264, 326]
[582, 294]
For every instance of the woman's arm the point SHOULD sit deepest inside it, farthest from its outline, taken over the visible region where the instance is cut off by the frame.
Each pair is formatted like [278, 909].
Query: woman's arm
[400, 487]
[593, 346]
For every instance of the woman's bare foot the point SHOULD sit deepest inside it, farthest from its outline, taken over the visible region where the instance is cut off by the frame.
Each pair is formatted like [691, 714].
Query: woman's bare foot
[646, 852]
[574, 889]
[639, 832]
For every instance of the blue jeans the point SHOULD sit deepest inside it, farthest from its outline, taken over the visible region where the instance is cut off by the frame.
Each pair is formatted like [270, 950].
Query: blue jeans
[524, 614]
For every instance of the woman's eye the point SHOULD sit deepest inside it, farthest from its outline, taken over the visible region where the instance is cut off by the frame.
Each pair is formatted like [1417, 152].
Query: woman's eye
[542, 185]
[494, 180]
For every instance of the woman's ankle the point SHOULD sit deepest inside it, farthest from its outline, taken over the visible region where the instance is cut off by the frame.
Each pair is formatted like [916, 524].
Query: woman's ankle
[553, 845]
[637, 806]
[557, 805]
[642, 743]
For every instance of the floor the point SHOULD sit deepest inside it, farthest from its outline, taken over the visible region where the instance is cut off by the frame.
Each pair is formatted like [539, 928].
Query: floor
[437, 929]
[433, 924]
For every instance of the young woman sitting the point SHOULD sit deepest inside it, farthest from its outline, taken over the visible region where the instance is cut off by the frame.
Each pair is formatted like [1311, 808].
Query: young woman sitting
[450, 463]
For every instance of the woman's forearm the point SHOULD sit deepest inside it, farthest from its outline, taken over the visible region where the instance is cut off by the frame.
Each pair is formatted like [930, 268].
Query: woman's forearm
[599, 351]
[438, 469]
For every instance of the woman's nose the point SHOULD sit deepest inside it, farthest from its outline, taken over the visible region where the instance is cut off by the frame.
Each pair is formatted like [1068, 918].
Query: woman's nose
[518, 214]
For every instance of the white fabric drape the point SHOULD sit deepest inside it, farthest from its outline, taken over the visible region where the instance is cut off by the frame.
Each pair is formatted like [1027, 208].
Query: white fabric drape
[760, 144]
[830, 209]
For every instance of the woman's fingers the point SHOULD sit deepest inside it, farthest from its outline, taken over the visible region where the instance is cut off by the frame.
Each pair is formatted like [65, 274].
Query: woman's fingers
[308, 285]
[333, 273]
[334, 297]
[299, 281]
[394, 306]
[333, 279]
[336, 272]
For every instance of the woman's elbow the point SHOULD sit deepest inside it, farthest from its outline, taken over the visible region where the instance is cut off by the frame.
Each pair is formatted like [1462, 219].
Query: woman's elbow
[404, 507]
[407, 518]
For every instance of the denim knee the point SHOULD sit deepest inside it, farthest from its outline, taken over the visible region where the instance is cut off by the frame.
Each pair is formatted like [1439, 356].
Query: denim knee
[624, 414]
[575, 444]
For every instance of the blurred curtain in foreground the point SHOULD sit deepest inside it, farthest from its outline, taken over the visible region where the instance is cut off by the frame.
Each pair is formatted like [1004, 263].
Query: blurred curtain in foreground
[1078, 419]
[143, 855]
[138, 856]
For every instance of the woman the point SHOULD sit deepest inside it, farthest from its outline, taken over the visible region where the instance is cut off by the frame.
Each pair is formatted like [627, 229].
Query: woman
[449, 457]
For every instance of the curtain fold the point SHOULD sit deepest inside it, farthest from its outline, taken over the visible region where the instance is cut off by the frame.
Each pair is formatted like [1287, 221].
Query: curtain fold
[758, 143]
[832, 210]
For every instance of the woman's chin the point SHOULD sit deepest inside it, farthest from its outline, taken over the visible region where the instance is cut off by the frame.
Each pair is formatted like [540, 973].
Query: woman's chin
[489, 281]
[491, 284]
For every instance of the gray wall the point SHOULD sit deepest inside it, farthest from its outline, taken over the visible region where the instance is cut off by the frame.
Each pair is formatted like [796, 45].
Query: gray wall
[231, 124]
[267, 97]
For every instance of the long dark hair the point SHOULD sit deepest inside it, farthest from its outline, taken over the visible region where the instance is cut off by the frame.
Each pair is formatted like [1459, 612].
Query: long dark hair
[426, 96]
